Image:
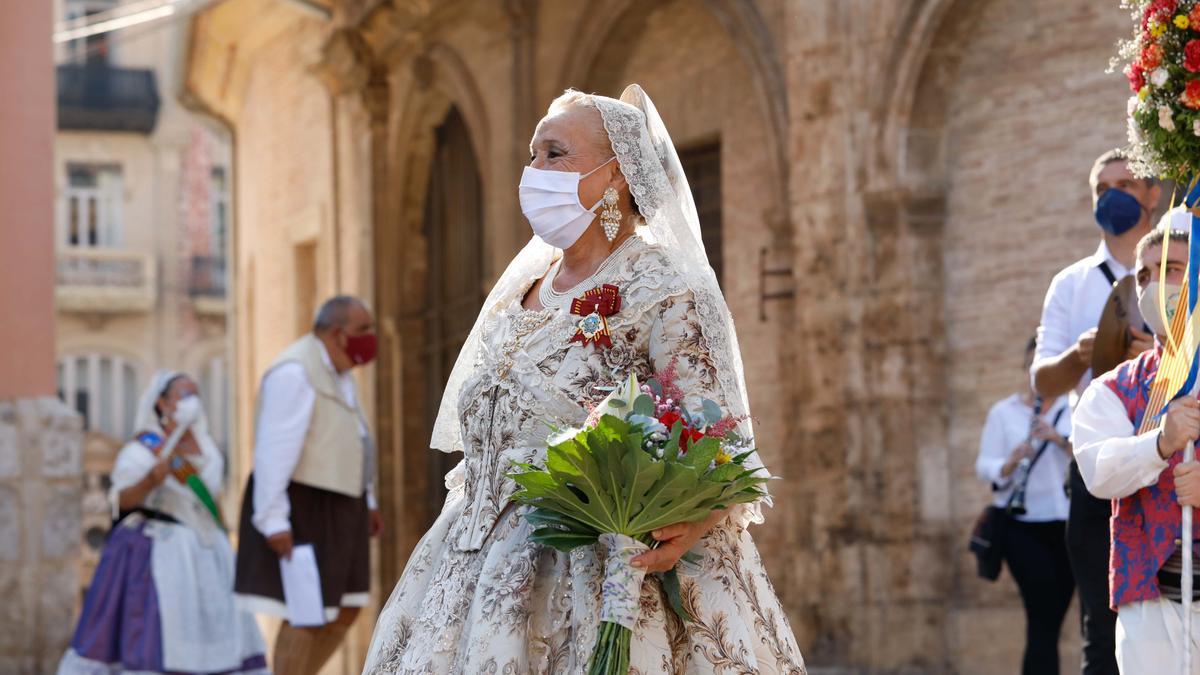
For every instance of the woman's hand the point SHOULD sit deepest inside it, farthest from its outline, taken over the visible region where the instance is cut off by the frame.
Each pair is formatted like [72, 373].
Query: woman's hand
[133, 495]
[676, 540]
[187, 444]
[1019, 453]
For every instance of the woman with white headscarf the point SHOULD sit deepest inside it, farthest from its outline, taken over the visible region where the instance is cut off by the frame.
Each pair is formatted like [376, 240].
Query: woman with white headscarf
[477, 595]
[162, 596]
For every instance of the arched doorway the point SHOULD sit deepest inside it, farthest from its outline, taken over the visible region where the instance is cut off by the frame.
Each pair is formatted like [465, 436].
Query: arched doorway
[453, 291]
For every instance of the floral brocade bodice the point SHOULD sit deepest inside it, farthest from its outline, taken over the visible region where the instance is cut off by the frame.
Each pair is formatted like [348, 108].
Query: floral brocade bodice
[530, 377]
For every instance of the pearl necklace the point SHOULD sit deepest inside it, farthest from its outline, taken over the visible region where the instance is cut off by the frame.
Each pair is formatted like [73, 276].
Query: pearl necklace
[550, 298]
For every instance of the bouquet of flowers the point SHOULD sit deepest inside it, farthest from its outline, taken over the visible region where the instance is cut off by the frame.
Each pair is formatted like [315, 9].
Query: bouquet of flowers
[1162, 62]
[641, 462]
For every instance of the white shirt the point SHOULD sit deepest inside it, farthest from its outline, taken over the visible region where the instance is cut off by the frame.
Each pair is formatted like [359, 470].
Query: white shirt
[286, 402]
[1113, 461]
[1008, 424]
[1073, 305]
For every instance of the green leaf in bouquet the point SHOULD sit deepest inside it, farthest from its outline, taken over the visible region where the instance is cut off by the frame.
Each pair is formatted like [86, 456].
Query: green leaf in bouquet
[692, 506]
[739, 458]
[672, 453]
[676, 497]
[644, 405]
[543, 518]
[670, 582]
[712, 411]
[572, 465]
[606, 445]
[724, 473]
[655, 387]
[540, 489]
[701, 453]
[562, 541]
[641, 473]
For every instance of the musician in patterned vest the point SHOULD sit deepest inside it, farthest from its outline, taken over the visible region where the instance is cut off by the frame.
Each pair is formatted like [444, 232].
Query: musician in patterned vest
[1144, 475]
[313, 483]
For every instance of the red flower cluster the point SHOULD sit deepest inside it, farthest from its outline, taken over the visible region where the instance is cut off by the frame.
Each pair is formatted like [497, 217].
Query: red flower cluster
[1136, 76]
[1191, 55]
[689, 435]
[1191, 95]
[1194, 18]
[1159, 11]
[1152, 57]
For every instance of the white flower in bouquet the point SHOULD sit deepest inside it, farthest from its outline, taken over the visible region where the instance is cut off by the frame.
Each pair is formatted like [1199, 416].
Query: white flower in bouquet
[1164, 118]
[1196, 127]
[1159, 77]
[619, 401]
[1134, 132]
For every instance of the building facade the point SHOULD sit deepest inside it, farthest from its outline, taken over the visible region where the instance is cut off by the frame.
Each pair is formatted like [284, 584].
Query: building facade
[141, 228]
[886, 187]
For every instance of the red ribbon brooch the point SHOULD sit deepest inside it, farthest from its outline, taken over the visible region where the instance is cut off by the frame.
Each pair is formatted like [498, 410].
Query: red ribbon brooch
[595, 307]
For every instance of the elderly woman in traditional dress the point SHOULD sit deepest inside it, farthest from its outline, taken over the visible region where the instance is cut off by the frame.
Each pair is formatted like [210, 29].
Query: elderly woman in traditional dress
[477, 595]
[162, 596]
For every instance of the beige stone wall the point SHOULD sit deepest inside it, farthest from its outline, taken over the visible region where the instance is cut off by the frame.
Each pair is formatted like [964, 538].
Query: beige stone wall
[1027, 117]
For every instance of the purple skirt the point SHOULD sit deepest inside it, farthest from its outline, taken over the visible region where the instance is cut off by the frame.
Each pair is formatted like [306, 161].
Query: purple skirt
[120, 623]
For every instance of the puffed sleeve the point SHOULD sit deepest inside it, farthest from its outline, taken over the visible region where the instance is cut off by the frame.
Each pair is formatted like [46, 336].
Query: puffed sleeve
[676, 337]
[678, 342]
[133, 463]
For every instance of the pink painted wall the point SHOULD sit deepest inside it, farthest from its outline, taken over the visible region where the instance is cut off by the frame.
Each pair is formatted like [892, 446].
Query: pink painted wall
[27, 121]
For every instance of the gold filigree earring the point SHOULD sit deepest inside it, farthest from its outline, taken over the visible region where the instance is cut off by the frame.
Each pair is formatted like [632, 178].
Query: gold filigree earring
[610, 215]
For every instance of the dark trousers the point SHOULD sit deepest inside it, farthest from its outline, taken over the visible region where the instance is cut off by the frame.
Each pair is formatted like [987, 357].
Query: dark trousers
[1088, 544]
[1037, 558]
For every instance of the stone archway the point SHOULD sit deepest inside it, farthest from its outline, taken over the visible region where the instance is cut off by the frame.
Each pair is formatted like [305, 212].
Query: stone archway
[438, 98]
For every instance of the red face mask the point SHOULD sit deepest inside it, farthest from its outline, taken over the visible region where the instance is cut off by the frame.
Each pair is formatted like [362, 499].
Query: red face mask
[362, 348]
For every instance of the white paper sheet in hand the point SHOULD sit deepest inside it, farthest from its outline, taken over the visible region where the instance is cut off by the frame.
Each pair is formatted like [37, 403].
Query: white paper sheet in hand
[302, 587]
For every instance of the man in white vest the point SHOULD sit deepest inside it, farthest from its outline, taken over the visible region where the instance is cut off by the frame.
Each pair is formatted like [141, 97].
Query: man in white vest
[313, 483]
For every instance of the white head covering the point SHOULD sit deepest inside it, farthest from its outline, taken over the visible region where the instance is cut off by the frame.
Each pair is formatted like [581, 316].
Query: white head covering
[658, 184]
[147, 419]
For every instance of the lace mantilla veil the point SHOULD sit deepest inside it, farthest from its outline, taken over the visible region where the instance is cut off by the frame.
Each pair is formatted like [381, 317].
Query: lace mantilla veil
[656, 179]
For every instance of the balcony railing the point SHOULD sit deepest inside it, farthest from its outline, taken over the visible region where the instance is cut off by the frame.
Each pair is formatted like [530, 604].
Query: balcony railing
[207, 277]
[92, 280]
[99, 97]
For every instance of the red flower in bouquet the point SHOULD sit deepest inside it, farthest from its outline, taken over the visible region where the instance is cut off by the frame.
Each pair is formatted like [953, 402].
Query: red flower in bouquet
[1152, 57]
[1136, 76]
[689, 434]
[1194, 18]
[1191, 95]
[1159, 11]
[1191, 56]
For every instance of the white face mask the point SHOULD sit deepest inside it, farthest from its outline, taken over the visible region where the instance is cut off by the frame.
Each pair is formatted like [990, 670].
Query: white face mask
[187, 411]
[550, 202]
[1148, 306]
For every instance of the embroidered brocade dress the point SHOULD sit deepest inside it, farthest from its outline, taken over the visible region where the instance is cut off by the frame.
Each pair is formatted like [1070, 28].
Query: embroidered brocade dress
[478, 596]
